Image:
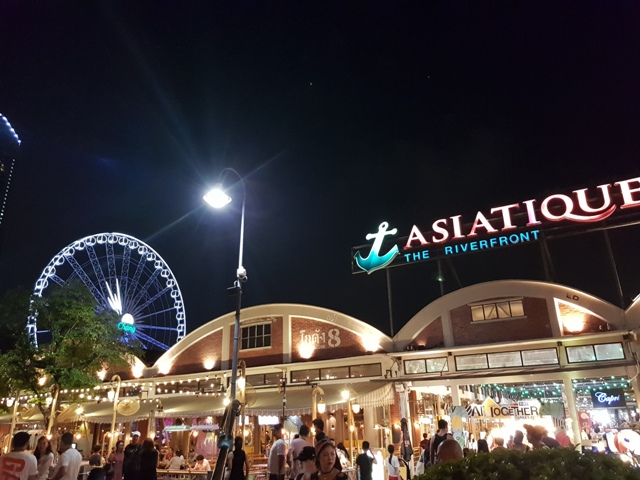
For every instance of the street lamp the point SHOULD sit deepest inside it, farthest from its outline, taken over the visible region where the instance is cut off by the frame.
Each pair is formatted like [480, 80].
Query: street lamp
[217, 198]
[116, 394]
[318, 407]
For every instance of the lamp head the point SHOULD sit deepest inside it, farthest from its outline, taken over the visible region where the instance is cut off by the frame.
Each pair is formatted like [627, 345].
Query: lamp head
[216, 197]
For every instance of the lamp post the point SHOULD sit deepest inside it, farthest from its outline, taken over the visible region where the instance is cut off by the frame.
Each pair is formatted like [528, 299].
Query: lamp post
[116, 394]
[217, 198]
[317, 406]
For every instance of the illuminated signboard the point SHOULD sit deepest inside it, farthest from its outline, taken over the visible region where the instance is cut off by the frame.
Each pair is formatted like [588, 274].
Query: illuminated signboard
[501, 226]
[612, 398]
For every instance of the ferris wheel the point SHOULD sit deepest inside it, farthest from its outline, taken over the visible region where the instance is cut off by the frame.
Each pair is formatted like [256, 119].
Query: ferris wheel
[125, 275]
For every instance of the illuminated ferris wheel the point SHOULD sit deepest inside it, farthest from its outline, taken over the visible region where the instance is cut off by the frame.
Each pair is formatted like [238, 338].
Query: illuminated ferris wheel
[125, 275]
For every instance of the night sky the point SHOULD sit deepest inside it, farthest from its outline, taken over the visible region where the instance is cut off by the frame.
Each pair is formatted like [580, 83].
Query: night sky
[340, 115]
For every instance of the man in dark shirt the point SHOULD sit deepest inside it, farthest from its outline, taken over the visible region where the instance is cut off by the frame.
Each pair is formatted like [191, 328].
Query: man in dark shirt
[364, 462]
[131, 465]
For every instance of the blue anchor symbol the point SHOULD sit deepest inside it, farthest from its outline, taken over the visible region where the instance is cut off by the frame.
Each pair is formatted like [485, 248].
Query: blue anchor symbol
[374, 261]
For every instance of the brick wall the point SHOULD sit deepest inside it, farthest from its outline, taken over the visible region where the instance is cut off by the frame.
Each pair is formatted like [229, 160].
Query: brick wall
[330, 340]
[431, 336]
[535, 324]
[193, 359]
[575, 321]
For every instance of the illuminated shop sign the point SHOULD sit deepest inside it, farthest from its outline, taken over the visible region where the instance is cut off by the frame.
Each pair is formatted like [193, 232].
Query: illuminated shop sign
[127, 327]
[523, 410]
[501, 226]
[611, 398]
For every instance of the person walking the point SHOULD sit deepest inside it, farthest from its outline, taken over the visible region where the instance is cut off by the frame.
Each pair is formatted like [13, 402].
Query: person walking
[449, 451]
[518, 442]
[277, 455]
[149, 459]
[44, 456]
[393, 464]
[440, 436]
[237, 461]
[307, 459]
[19, 464]
[95, 459]
[131, 465]
[116, 460]
[364, 463]
[483, 446]
[70, 459]
[295, 448]
[318, 424]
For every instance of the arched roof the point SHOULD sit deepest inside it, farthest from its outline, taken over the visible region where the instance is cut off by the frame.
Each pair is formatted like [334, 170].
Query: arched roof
[508, 288]
[279, 309]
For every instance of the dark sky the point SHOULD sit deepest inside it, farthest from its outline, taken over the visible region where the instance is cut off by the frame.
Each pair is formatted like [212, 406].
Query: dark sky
[340, 114]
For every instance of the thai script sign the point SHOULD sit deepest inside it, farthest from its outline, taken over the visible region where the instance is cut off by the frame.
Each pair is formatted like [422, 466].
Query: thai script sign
[320, 339]
[501, 226]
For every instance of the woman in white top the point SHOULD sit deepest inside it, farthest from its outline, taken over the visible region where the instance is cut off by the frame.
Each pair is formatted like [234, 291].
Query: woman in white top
[44, 455]
[393, 464]
[176, 461]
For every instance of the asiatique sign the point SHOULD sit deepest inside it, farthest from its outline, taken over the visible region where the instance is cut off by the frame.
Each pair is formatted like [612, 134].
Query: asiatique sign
[501, 226]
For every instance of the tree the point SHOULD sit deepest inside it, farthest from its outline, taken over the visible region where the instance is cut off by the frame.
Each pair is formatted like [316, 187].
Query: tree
[82, 339]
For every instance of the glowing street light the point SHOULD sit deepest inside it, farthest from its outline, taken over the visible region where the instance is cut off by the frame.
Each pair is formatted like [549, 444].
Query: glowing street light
[217, 198]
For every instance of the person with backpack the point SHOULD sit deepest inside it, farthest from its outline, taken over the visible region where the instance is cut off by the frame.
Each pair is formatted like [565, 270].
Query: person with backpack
[440, 436]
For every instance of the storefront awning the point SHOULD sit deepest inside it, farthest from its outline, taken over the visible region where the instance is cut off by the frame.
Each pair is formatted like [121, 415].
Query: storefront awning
[299, 398]
[261, 402]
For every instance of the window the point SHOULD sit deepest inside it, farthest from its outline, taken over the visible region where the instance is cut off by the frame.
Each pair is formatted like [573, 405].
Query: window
[544, 356]
[412, 367]
[334, 373]
[370, 370]
[609, 351]
[591, 353]
[256, 336]
[471, 362]
[504, 359]
[354, 371]
[264, 379]
[497, 310]
[301, 376]
[581, 354]
[437, 365]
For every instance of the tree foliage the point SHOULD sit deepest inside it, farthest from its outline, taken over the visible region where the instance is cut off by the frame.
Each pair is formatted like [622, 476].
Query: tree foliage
[82, 339]
[547, 464]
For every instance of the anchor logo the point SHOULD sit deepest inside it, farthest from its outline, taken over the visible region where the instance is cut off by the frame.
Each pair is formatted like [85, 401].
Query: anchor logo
[374, 261]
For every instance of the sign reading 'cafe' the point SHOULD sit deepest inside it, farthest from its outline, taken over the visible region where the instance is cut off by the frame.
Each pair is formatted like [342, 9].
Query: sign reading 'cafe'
[501, 226]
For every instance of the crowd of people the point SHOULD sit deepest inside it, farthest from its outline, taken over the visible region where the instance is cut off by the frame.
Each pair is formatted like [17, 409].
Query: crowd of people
[442, 448]
[306, 458]
[136, 461]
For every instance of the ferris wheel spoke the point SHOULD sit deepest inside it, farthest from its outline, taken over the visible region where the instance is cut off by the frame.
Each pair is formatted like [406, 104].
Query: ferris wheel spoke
[154, 327]
[124, 275]
[134, 282]
[111, 264]
[97, 269]
[58, 280]
[145, 289]
[97, 294]
[150, 340]
[152, 314]
[139, 308]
